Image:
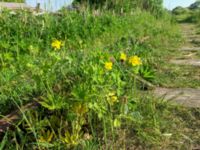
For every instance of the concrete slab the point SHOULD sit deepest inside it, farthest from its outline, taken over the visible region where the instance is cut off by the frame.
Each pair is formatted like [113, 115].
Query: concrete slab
[190, 49]
[191, 62]
[185, 96]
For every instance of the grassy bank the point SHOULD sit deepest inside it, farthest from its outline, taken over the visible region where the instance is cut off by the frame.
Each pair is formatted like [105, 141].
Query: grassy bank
[27, 52]
[88, 71]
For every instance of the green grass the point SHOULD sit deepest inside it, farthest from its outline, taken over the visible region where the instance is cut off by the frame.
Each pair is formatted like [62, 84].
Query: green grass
[178, 76]
[172, 75]
[84, 104]
[29, 57]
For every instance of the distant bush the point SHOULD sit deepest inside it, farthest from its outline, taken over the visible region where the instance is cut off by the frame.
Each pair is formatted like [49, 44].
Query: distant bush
[194, 17]
[195, 5]
[179, 10]
[190, 14]
[195, 12]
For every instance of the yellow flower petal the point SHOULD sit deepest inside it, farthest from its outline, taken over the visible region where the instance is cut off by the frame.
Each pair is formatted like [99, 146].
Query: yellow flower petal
[123, 57]
[56, 44]
[135, 61]
[108, 65]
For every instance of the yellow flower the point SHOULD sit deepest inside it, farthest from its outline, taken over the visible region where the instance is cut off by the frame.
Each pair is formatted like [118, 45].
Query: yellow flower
[56, 44]
[108, 65]
[123, 57]
[112, 98]
[135, 61]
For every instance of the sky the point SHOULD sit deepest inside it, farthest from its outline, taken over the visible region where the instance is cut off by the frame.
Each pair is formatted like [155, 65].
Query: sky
[170, 4]
[54, 5]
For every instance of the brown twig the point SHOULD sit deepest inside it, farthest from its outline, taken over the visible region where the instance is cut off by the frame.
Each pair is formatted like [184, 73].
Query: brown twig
[145, 82]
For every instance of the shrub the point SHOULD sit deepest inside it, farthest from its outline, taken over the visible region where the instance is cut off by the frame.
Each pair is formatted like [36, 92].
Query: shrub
[180, 10]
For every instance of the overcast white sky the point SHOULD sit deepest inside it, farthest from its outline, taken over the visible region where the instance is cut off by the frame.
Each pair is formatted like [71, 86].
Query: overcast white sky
[57, 4]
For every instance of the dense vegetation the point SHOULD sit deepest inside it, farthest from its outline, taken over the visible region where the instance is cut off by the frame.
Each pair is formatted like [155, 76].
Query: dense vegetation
[88, 70]
[154, 6]
[190, 14]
